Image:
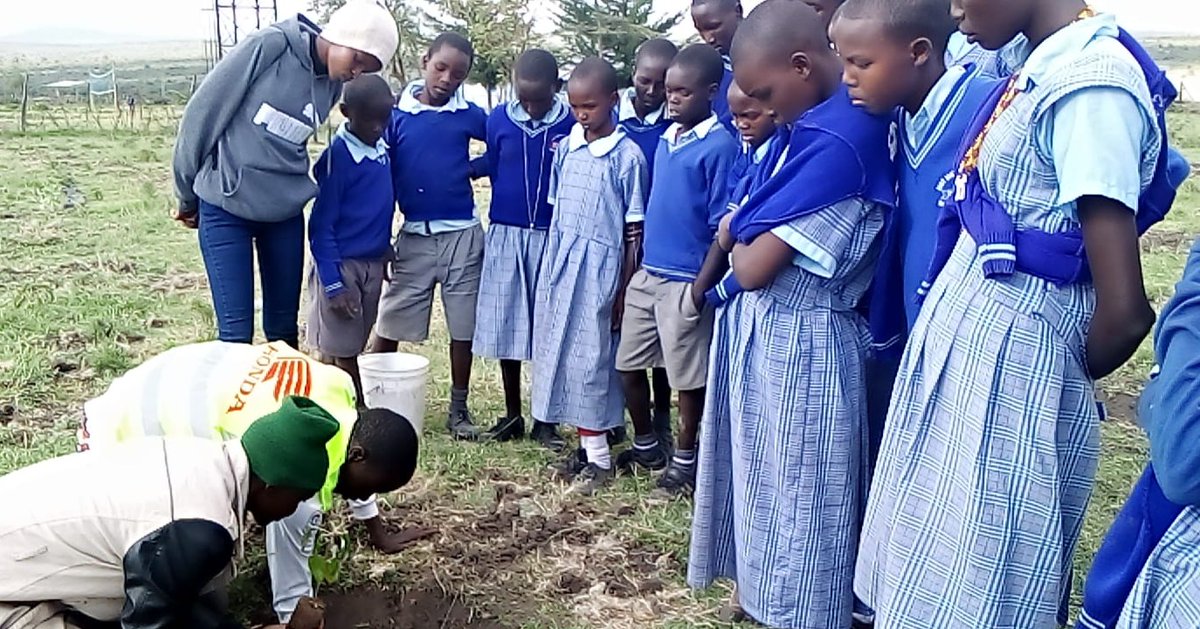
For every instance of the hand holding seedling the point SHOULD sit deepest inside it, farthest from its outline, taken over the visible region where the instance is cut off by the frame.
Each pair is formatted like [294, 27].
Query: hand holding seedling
[309, 614]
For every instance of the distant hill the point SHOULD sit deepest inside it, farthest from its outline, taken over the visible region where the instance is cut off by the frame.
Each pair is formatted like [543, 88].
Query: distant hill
[25, 56]
[79, 37]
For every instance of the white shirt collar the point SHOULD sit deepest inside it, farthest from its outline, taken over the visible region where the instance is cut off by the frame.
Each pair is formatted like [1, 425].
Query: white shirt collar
[409, 103]
[760, 153]
[598, 148]
[699, 132]
[1070, 39]
[360, 150]
[918, 124]
[517, 113]
[626, 111]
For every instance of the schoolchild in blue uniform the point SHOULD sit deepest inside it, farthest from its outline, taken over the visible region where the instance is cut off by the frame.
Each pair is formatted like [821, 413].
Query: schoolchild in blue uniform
[1035, 291]
[893, 57]
[1146, 574]
[756, 127]
[591, 254]
[782, 464]
[350, 227]
[716, 22]
[522, 137]
[666, 320]
[642, 115]
[642, 112]
[441, 241]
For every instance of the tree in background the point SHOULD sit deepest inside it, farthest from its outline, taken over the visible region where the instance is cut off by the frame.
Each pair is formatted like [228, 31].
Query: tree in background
[612, 29]
[500, 30]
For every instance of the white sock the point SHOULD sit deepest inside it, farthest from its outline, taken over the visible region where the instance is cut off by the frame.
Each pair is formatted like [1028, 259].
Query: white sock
[596, 447]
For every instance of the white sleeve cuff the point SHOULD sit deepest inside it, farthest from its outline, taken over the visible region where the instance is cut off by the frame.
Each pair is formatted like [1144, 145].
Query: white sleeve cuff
[364, 509]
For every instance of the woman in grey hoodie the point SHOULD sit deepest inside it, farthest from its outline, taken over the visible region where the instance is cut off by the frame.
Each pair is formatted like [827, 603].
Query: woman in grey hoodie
[241, 159]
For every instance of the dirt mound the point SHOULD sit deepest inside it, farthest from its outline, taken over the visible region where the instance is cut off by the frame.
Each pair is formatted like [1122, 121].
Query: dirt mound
[425, 607]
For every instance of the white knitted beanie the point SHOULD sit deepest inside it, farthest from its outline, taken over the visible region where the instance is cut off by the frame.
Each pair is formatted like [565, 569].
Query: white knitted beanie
[364, 25]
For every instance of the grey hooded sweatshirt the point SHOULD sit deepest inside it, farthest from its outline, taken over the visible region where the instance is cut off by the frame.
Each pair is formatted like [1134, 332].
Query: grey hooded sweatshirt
[242, 145]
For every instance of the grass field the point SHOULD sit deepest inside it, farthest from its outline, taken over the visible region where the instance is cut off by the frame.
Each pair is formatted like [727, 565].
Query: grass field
[89, 291]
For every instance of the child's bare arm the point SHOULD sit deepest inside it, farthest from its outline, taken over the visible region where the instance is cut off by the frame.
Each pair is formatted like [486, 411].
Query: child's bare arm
[716, 263]
[629, 266]
[1123, 315]
[756, 264]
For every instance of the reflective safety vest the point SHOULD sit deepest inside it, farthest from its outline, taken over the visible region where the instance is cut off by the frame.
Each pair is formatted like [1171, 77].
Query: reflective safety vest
[217, 390]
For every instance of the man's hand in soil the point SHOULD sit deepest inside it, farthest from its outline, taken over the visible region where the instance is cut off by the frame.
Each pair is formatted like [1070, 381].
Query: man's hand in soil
[388, 543]
[343, 305]
[309, 614]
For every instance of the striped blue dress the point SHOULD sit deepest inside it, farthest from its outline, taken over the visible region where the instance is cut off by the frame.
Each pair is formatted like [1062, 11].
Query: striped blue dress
[596, 189]
[507, 292]
[992, 437]
[1167, 593]
[782, 476]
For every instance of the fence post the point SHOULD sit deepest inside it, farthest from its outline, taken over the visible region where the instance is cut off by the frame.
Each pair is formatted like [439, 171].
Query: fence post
[24, 99]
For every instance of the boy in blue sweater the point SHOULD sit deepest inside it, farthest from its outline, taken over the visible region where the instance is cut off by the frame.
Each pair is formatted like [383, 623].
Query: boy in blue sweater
[522, 137]
[893, 58]
[717, 21]
[350, 227]
[643, 116]
[643, 109]
[666, 322]
[441, 241]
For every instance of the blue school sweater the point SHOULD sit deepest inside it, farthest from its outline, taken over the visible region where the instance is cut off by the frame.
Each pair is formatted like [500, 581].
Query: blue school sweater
[924, 179]
[687, 199]
[352, 216]
[520, 158]
[431, 160]
[721, 102]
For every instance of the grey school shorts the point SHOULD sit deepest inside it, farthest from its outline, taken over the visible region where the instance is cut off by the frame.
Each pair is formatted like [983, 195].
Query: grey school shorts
[663, 328]
[452, 259]
[333, 335]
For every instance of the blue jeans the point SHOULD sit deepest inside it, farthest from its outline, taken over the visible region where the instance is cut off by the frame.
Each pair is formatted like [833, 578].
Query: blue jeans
[228, 244]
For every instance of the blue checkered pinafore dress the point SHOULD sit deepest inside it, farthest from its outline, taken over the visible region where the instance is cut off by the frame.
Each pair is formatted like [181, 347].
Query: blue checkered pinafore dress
[781, 483]
[1166, 594]
[575, 380]
[992, 436]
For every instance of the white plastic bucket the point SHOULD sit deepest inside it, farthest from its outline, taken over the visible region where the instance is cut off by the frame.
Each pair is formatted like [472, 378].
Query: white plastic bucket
[396, 381]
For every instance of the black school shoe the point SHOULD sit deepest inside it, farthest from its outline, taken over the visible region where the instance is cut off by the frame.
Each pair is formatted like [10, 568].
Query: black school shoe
[506, 429]
[653, 459]
[567, 469]
[677, 481]
[461, 427]
[590, 479]
[546, 435]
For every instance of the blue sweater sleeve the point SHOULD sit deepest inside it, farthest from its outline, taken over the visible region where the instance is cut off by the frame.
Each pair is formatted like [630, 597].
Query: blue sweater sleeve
[490, 160]
[1174, 423]
[717, 175]
[323, 219]
[392, 137]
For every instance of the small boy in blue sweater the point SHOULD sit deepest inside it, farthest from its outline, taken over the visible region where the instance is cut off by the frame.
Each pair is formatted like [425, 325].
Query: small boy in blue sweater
[893, 58]
[522, 137]
[756, 127]
[717, 21]
[643, 116]
[441, 241]
[350, 227]
[666, 322]
[643, 109]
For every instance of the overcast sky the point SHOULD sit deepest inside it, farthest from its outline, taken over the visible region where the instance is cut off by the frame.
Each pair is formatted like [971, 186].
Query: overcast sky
[185, 19]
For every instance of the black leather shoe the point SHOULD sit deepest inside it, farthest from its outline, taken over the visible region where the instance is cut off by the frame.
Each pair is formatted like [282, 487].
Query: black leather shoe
[506, 429]
[547, 436]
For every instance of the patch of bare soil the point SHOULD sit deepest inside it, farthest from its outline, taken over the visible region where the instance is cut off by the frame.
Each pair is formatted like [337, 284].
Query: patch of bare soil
[425, 607]
[1121, 407]
[1164, 238]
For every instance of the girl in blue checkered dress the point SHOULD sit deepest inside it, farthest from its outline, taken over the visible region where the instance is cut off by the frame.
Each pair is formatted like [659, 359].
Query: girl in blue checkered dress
[782, 475]
[992, 436]
[591, 252]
